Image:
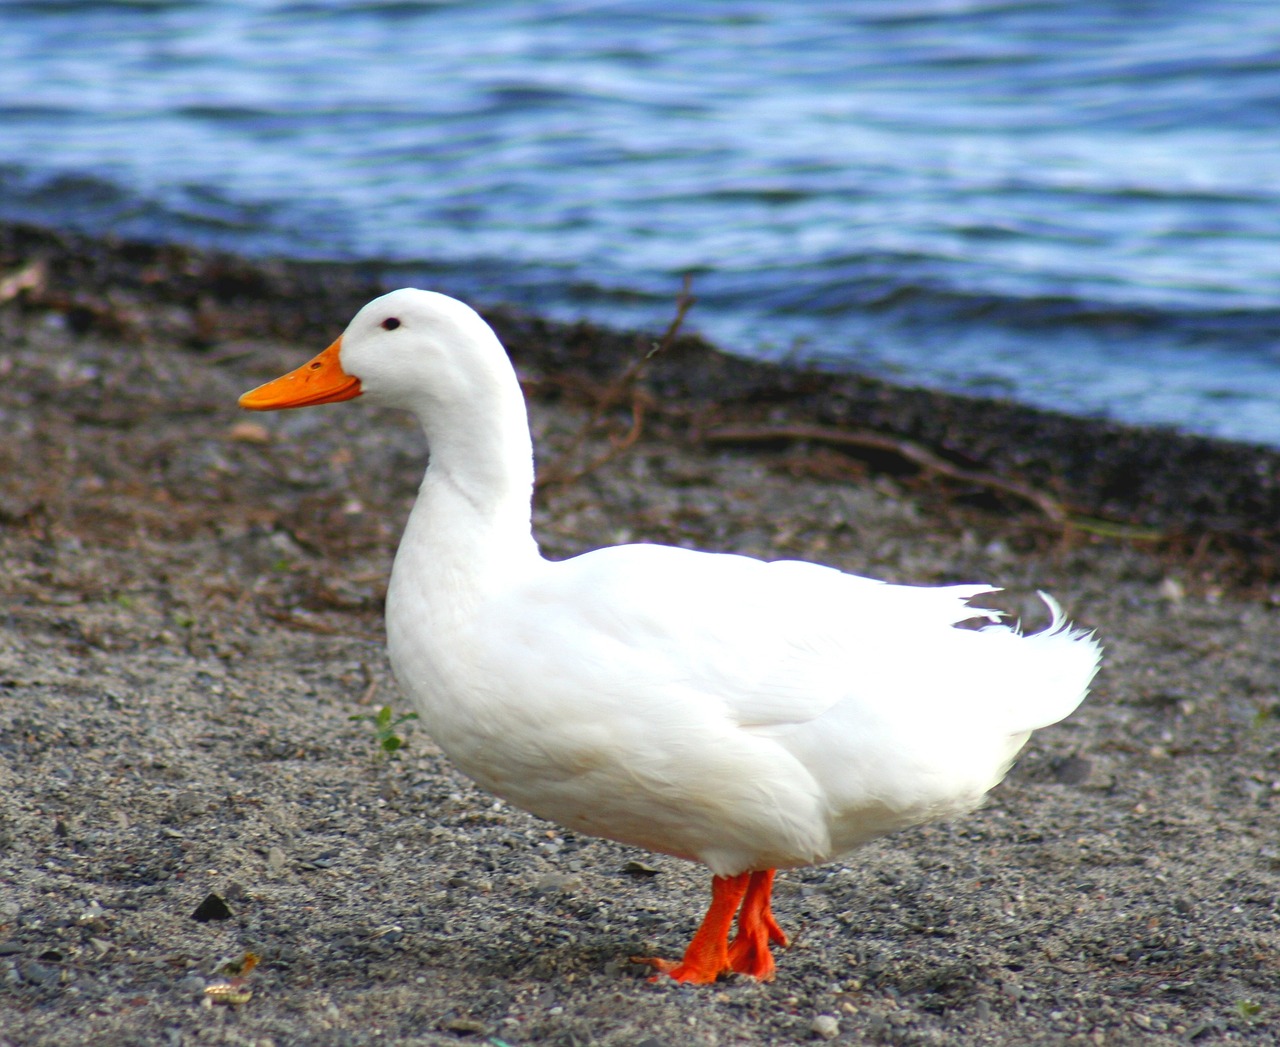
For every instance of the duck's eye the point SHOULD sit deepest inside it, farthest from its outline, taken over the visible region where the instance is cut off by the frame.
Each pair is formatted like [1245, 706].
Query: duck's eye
[390, 323]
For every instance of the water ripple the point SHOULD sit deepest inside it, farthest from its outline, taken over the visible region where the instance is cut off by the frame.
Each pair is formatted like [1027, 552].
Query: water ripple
[1070, 202]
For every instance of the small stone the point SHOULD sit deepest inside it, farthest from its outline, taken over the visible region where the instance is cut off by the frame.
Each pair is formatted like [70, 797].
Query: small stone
[38, 973]
[277, 860]
[634, 868]
[825, 1027]
[212, 908]
[250, 433]
[1011, 989]
[1072, 770]
[556, 883]
[228, 993]
[465, 1025]
[15, 509]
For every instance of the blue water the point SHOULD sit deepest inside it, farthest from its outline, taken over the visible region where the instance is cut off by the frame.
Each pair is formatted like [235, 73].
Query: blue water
[1074, 203]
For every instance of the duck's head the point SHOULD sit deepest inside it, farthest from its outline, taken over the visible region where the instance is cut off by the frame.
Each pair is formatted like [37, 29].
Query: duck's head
[414, 349]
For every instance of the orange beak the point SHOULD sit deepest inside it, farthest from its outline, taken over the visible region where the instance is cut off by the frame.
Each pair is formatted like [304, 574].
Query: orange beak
[319, 381]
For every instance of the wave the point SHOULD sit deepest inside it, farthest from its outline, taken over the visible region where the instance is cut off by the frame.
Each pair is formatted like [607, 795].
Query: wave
[901, 288]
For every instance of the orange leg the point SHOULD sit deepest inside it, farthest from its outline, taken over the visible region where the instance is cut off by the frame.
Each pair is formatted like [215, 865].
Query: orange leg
[708, 954]
[757, 929]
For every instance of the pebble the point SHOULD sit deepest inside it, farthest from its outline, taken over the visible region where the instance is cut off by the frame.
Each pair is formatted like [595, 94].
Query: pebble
[552, 883]
[1072, 770]
[277, 860]
[212, 908]
[37, 973]
[825, 1027]
[634, 868]
[249, 433]
[465, 1025]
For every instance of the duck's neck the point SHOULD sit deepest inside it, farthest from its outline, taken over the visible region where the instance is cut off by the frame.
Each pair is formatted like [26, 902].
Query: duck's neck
[471, 524]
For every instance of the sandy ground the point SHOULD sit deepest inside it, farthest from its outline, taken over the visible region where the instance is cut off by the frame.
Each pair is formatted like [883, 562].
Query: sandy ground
[190, 616]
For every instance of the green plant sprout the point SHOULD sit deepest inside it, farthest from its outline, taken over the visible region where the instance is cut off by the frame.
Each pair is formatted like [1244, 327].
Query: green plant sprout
[385, 724]
[1248, 1010]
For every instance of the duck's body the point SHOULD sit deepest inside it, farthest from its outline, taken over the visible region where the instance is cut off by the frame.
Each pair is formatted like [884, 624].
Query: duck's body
[687, 704]
[747, 715]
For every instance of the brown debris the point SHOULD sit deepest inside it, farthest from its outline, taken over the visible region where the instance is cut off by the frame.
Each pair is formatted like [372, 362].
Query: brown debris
[30, 277]
[626, 387]
[920, 456]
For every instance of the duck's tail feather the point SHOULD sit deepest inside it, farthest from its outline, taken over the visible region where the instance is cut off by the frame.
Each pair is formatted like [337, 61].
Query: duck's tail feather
[1061, 661]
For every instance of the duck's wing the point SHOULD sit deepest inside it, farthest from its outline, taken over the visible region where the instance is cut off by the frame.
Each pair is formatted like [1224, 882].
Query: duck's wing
[737, 711]
[765, 643]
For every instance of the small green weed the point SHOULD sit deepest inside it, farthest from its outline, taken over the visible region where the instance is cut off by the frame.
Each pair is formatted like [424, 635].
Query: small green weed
[1248, 1010]
[385, 727]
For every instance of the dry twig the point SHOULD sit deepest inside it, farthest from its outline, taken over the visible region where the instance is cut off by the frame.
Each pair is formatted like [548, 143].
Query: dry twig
[624, 387]
[911, 452]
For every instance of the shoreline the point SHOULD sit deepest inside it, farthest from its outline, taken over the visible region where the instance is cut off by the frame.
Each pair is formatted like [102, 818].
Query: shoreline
[1181, 493]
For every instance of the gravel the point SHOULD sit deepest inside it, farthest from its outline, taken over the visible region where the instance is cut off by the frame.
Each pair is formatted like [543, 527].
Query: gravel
[190, 617]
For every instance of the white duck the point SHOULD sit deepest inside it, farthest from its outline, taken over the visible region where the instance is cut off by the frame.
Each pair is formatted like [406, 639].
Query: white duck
[747, 715]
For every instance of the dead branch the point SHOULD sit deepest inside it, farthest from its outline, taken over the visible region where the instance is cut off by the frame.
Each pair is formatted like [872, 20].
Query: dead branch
[304, 621]
[920, 456]
[623, 388]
